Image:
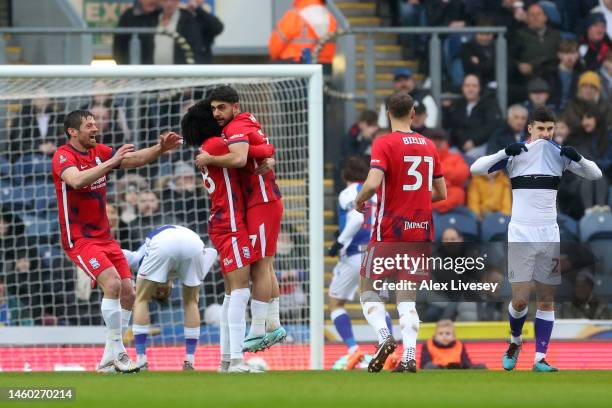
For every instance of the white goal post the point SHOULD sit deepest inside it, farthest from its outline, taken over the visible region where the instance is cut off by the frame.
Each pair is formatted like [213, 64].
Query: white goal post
[13, 78]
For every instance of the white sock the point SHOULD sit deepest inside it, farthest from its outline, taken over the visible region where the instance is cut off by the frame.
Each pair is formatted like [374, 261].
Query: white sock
[375, 314]
[259, 310]
[409, 325]
[273, 315]
[191, 333]
[125, 320]
[111, 313]
[517, 315]
[237, 320]
[224, 337]
[141, 329]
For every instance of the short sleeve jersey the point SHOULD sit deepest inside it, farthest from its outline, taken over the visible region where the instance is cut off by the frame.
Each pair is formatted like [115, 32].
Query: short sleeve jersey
[410, 162]
[258, 189]
[82, 212]
[227, 212]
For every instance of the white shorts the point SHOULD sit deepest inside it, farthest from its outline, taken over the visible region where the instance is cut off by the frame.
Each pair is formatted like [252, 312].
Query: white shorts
[533, 253]
[346, 278]
[176, 252]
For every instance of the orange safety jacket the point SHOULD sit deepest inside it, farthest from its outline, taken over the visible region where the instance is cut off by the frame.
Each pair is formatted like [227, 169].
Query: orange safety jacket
[300, 28]
[443, 356]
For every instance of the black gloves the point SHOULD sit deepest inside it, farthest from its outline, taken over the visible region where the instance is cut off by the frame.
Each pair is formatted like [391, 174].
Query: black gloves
[515, 149]
[334, 249]
[570, 153]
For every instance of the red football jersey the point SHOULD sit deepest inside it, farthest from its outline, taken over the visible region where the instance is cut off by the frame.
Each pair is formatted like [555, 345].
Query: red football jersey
[257, 189]
[227, 209]
[410, 162]
[82, 213]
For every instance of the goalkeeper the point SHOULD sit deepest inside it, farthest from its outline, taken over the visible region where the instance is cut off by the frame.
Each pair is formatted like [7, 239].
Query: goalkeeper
[169, 250]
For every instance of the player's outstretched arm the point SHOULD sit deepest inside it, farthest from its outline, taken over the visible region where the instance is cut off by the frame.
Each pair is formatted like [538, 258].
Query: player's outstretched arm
[579, 165]
[167, 141]
[78, 179]
[236, 158]
[488, 164]
[374, 180]
[439, 189]
[261, 151]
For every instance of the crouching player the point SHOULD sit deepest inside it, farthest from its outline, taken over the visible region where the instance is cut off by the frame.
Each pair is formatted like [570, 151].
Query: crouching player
[169, 250]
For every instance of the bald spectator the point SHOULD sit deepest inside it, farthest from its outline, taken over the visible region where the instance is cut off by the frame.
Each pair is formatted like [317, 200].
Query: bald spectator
[456, 172]
[535, 47]
[511, 132]
[472, 118]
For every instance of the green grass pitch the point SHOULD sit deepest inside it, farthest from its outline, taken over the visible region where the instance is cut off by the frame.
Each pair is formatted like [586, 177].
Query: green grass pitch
[329, 388]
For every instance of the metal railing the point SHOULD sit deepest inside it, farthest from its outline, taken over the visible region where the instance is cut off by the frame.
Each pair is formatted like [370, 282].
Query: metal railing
[68, 34]
[435, 58]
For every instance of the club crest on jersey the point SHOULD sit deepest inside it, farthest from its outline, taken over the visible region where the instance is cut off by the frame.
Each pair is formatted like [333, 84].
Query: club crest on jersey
[94, 263]
[227, 261]
[62, 159]
[246, 252]
[98, 161]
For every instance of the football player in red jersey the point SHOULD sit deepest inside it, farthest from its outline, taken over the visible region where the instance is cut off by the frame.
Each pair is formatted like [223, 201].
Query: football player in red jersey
[228, 232]
[79, 173]
[246, 141]
[405, 174]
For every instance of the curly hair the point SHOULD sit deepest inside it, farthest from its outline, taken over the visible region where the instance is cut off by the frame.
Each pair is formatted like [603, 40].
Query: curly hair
[198, 124]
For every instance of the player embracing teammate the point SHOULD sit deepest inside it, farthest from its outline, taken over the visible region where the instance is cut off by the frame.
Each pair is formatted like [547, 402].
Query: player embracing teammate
[245, 219]
[405, 174]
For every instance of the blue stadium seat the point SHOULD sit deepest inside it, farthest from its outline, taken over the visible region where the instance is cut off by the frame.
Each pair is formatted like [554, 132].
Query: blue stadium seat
[568, 228]
[40, 196]
[31, 167]
[460, 218]
[39, 226]
[610, 196]
[5, 192]
[596, 226]
[494, 227]
[5, 169]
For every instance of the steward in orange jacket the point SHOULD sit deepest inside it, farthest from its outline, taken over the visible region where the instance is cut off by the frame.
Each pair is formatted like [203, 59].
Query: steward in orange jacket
[299, 29]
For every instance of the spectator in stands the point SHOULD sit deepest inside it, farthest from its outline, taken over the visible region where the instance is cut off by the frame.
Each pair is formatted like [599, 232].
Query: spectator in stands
[210, 27]
[411, 14]
[585, 304]
[111, 119]
[444, 350]
[534, 50]
[449, 13]
[144, 14]
[182, 43]
[128, 189]
[8, 306]
[359, 139]
[297, 33]
[562, 130]
[507, 13]
[491, 308]
[490, 193]
[456, 172]
[605, 75]
[118, 228]
[564, 80]
[595, 42]
[37, 128]
[513, 130]
[472, 118]
[148, 218]
[588, 98]
[605, 8]
[538, 94]
[592, 140]
[403, 80]
[182, 198]
[478, 55]
[419, 123]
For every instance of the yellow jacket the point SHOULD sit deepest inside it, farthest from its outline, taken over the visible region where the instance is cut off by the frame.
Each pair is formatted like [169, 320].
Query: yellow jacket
[489, 194]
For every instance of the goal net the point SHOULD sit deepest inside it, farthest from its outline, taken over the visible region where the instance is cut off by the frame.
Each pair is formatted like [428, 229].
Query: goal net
[49, 315]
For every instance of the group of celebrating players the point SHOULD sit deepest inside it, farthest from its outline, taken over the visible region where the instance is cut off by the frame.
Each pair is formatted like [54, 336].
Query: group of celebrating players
[236, 161]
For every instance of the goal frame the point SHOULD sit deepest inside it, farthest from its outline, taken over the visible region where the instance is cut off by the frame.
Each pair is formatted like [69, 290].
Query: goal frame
[313, 74]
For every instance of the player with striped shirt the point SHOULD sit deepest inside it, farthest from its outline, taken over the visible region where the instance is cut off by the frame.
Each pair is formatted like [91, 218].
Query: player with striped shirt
[264, 208]
[535, 168]
[79, 174]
